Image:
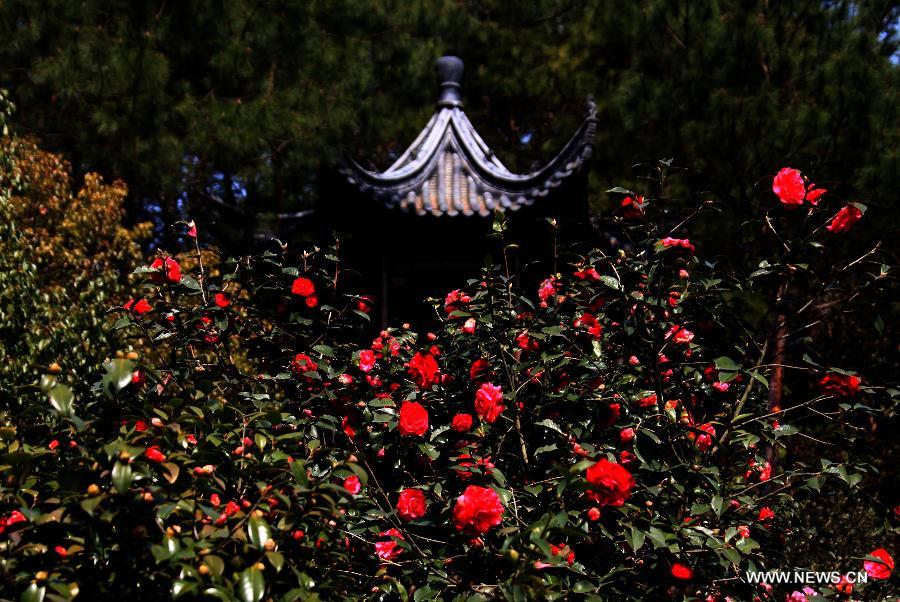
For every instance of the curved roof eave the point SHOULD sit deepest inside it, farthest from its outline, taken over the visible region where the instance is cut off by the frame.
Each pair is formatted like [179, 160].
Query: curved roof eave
[421, 154]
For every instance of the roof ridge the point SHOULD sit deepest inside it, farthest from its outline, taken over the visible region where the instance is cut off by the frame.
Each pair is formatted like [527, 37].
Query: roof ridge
[469, 178]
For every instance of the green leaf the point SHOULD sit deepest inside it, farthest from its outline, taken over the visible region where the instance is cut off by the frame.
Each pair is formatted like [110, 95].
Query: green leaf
[122, 476]
[499, 477]
[732, 555]
[258, 531]
[727, 364]
[276, 559]
[118, 375]
[167, 549]
[251, 585]
[181, 587]
[637, 539]
[746, 545]
[759, 377]
[189, 282]
[423, 593]
[550, 425]
[583, 587]
[610, 282]
[298, 469]
[61, 399]
[216, 565]
[810, 360]
[90, 503]
[785, 430]
[34, 593]
[657, 537]
[716, 503]
[324, 350]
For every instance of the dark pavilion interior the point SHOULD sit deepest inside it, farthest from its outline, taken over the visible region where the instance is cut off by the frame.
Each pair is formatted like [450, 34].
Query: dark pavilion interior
[423, 226]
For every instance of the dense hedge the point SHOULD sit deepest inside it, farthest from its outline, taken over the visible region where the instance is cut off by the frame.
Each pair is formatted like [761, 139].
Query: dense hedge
[622, 432]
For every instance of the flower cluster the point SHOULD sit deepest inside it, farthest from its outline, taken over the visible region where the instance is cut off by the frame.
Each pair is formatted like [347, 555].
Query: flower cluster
[613, 427]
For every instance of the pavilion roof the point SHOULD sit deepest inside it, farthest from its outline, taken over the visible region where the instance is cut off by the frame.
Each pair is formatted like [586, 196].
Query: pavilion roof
[449, 170]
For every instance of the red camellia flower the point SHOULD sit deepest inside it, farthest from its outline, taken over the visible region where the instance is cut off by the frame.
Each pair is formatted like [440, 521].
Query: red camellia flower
[411, 504]
[477, 510]
[231, 508]
[413, 419]
[366, 360]
[626, 457]
[682, 572]
[469, 326]
[594, 514]
[352, 484]
[789, 186]
[423, 369]
[389, 549]
[844, 586]
[154, 454]
[140, 307]
[844, 219]
[547, 289]
[882, 569]
[678, 242]
[489, 402]
[167, 270]
[765, 513]
[611, 483]
[589, 321]
[479, 367]
[303, 363]
[649, 401]
[15, 517]
[845, 385]
[813, 195]
[365, 304]
[704, 440]
[587, 273]
[791, 189]
[626, 435]
[632, 208]
[204, 471]
[461, 423]
[303, 287]
[680, 334]
[221, 299]
[526, 342]
[453, 298]
[611, 415]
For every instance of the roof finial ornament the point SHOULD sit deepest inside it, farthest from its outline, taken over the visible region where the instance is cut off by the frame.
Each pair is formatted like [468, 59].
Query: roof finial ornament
[450, 70]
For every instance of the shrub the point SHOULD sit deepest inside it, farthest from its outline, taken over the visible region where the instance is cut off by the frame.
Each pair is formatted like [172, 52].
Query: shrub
[62, 256]
[625, 431]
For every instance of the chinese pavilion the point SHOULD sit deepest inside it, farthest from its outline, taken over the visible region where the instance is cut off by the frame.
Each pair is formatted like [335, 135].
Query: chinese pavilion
[422, 224]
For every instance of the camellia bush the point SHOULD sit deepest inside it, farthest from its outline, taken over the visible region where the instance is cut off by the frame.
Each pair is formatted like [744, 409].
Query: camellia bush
[635, 427]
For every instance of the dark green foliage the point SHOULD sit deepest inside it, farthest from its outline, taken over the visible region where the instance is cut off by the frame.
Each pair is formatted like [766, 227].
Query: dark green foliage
[221, 461]
[203, 101]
